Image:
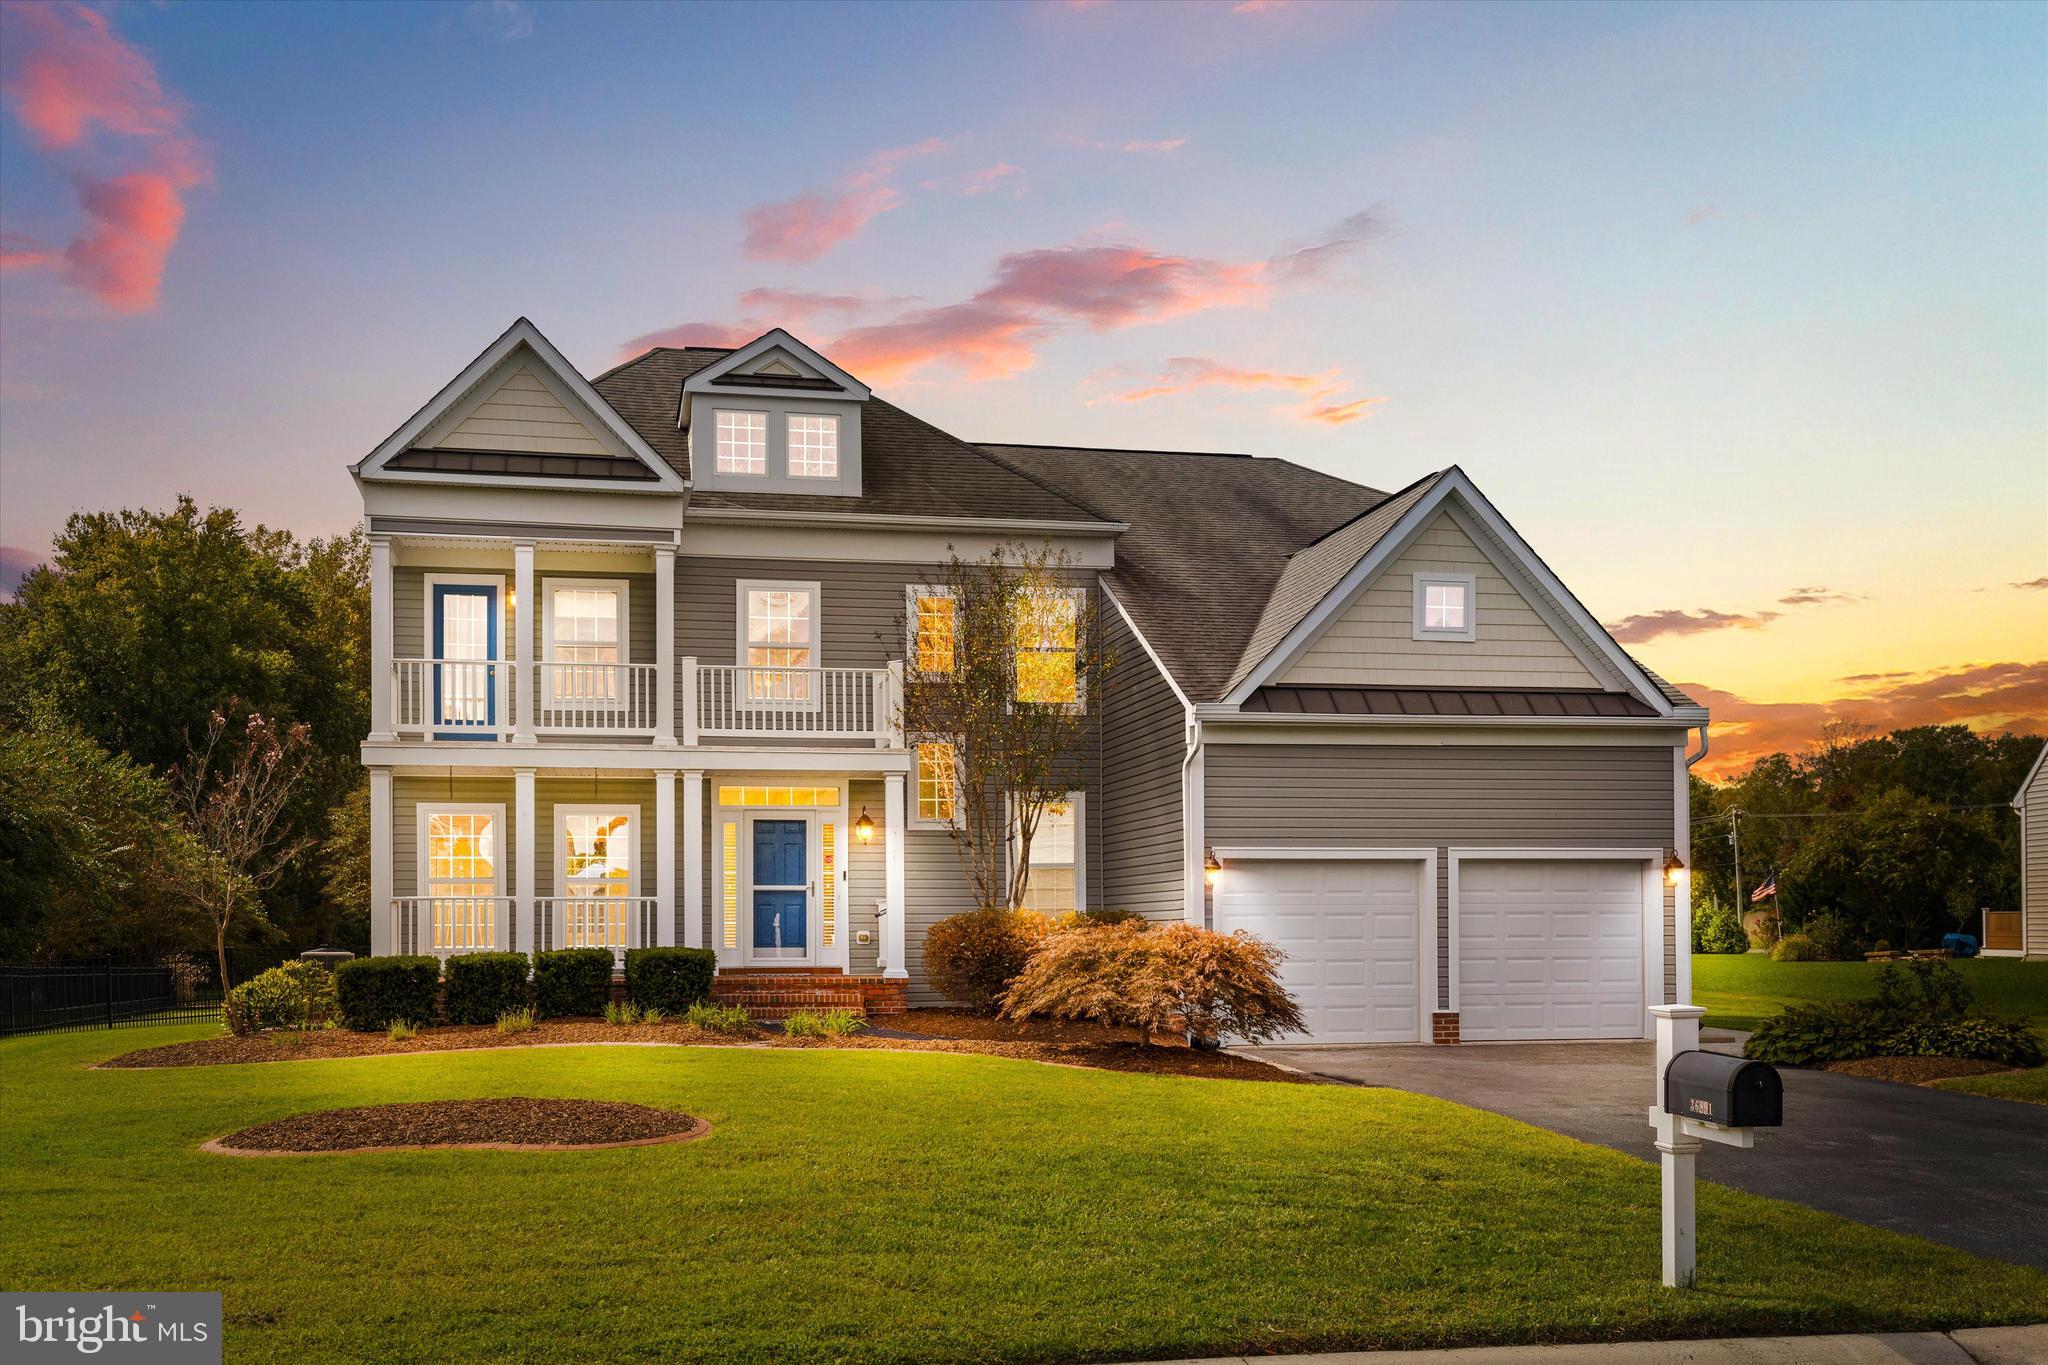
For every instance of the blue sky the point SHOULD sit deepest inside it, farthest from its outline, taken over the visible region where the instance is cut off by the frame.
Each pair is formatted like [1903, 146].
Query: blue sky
[1717, 302]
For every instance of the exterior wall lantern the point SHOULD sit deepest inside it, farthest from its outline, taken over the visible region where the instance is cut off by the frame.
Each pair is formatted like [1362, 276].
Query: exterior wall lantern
[1674, 869]
[864, 828]
[1212, 870]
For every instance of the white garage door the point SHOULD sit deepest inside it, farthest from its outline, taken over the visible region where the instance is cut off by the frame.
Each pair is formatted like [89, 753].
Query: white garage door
[1549, 949]
[1349, 929]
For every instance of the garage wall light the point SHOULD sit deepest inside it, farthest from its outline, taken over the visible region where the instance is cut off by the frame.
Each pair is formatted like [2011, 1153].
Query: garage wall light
[1674, 869]
[1212, 871]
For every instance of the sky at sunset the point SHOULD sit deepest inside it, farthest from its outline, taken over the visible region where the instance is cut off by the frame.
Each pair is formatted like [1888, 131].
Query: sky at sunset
[1739, 313]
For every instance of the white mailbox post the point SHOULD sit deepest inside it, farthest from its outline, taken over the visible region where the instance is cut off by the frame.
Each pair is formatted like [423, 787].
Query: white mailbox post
[1751, 1094]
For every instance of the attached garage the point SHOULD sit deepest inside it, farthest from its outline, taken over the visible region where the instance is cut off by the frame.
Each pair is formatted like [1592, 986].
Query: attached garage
[1551, 947]
[1356, 929]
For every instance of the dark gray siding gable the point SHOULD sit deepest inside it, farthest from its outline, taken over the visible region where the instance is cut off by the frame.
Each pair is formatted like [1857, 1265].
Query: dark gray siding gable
[1138, 812]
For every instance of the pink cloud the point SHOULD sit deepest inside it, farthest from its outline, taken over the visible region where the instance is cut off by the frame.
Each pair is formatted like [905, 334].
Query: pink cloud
[1120, 286]
[692, 334]
[1257, 6]
[1001, 176]
[787, 306]
[1170, 144]
[807, 226]
[1187, 374]
[986, 339]
[67, 75]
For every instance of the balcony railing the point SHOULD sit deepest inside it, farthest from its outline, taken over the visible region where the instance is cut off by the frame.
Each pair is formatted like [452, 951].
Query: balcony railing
[447, 925]
[452, 698]
[801, 703]
[596, 699]
[614, 922]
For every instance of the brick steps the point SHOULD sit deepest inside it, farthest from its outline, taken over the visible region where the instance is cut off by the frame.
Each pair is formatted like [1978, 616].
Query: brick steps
[775, 993]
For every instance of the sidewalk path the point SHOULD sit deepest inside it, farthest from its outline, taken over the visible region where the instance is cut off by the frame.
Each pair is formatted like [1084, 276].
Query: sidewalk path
[1972, 1346]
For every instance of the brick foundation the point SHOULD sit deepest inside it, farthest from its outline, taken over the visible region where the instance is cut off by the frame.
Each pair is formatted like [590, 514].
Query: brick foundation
[1443, 1028]
[771, 993]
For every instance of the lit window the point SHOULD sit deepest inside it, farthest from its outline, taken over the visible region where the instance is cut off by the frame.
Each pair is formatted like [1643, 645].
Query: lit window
[742, 442]
[937, 773]
[1054, 885]
[462, 876]
[933, 630]
[1443, 606]
[778, 796]
[583, 623]
[813, 447]
[1045, 630]
[780, 644]
[596, 876]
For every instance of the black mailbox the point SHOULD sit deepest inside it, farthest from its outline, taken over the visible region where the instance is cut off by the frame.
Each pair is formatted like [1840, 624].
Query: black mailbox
[1730, 1091]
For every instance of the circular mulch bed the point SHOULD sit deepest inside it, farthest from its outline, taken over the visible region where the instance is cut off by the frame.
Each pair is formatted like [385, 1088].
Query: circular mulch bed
[507, 1124]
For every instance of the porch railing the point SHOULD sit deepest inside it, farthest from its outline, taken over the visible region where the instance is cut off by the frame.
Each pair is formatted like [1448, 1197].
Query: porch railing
[451, 698]
[807, 703]
[614, 922]
[602, 699]
[447, 925]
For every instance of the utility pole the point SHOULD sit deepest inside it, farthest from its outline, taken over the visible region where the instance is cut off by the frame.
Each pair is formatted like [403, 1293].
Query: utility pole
[1735, 838]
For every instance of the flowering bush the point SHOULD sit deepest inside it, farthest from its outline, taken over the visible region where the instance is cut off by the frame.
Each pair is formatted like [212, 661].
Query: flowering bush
[972, 958]
[1176, 978]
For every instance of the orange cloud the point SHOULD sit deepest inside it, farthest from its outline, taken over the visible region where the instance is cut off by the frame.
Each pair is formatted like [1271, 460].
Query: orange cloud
[1340, 413]
[1996, 696]
[987, 340]
[1257, 6]
[67, 75]
[806, 227]
[1001, 176]
[1188, 373]
[1169, 144]
[1631, 630]
[786, 307]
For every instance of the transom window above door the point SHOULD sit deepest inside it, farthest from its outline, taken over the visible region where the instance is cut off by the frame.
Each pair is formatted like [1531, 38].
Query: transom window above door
[778, 643]
[742, 442]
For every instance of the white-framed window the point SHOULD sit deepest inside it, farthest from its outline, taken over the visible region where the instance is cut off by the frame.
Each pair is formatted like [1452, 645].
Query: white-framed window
[1055, 885]
[742, 442]
[778, 639]
[938, 784]
[583, 635]
[813, 446]
[462, 872]
[597, 874]
[1046, 632]
[932, 625]
[1446, 606]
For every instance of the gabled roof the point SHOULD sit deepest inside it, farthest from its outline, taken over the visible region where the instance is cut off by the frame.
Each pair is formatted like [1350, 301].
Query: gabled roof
[398, 457]
[2019, 798]
[909, 467]
[738, 369]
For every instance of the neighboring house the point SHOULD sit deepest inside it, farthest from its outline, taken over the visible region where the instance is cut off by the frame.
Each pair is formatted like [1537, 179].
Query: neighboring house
[638, 646]
[2024, 933]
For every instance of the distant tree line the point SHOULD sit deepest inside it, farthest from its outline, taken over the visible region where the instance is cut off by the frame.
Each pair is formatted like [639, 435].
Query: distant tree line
[161, 667]
[1904, 836]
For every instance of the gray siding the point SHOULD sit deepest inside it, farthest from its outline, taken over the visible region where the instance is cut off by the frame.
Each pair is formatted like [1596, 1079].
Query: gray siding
[410, 628]
[1138, 815]
[2034, 865]
[1444, 796]
[860, 608]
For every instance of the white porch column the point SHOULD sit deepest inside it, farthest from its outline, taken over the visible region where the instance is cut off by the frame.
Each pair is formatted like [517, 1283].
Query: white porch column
[889, 734]
[665, 857]
[895, 961]
[381, 856]
[693, 860]
[523, 857]
[382, 681]
[665, 647]
[525, 695]
[686, 685]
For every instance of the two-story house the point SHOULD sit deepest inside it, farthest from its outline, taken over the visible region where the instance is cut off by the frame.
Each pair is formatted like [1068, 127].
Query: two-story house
[639, 645]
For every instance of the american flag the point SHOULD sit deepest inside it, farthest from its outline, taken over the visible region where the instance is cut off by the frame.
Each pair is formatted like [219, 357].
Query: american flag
[1765, 889]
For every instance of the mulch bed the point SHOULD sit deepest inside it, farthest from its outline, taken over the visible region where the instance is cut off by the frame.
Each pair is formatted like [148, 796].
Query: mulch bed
[508, 1124]
[1915, 1070]
[1086, 1045]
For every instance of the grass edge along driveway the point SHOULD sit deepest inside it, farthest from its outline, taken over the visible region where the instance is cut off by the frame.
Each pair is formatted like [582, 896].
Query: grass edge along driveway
[881, 1206]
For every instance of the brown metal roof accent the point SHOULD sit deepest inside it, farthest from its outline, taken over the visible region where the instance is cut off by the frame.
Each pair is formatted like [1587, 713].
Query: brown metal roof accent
[780, 381]
[443, 460]
[1451, 702]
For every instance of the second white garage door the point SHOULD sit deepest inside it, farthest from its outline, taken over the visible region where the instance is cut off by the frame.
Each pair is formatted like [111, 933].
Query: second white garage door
[1549, 949]
[1349, 928]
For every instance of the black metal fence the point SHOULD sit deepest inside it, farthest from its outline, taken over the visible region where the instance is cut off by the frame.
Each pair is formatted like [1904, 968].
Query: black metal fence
[109, 992]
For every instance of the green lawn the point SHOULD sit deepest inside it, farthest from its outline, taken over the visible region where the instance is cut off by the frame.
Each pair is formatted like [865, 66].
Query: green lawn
[2031, 1086]
[882, 1206]
[1740, 991]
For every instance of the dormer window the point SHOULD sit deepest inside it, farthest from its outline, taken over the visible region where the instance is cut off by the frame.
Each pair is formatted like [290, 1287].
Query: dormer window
[742, 442]
[1446, 606]
[813, 446]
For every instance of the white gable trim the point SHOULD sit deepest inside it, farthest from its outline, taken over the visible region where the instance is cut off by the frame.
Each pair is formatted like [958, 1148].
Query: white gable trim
[1146, 645]
[2019, 798]
[738, 361]
[552, 364]
[1575, 626]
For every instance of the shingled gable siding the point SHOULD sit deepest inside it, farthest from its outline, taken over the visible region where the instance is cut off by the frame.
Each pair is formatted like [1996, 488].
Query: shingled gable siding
[523, 414]
[1397, 796]
[1139, 812]
[1373, 642]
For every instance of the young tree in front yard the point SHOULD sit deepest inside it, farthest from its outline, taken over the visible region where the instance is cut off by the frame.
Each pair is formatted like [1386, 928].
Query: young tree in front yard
[232, 792]
[1009, 660]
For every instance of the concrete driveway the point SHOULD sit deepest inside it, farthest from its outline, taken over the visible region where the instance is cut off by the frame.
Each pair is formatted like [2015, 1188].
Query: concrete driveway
[1961, 1169]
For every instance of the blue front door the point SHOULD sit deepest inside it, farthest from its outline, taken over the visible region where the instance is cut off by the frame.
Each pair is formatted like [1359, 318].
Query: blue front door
[781, 888]
[465, 651]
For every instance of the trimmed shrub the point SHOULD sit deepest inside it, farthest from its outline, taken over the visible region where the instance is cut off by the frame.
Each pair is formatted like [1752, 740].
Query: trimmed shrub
[572, 981]
[482, 986]
[1795, 948]
[1716, 928]
[373, 991]
[972, 958]
[296, 995]
[1833, 937]
[1171, 979]
[669, 979]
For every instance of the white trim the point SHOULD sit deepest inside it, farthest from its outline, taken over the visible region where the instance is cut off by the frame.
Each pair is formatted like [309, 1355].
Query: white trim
[1681, 892]
[563, 810]
[828, 483]
[502, 658]
[1194, 858]
[911, 593]
[915, 807]
[383, 848]
[1651, 924]
[1425, 579]
[741, 478]
[1131, 625]
[2019, 798]
[548, 585]
[424, 811]
[741, 642]
[1078, 799]
[1425, 907]
[738, 360]
[747, 516]
[520, 333]
[1453, 481]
